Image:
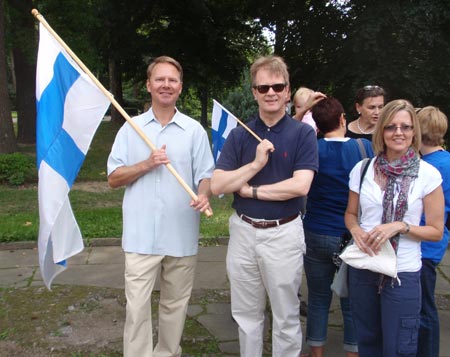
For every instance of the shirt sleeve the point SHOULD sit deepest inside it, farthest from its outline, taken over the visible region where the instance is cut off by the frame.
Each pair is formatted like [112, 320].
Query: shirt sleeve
[308, 153]
[118, 155]
[203, 161]
[432, 177]
[355, 177]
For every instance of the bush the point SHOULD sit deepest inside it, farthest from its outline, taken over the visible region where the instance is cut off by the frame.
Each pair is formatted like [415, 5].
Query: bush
[17, 168]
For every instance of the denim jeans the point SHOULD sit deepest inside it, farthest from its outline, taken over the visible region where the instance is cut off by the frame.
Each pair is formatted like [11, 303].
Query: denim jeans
[387, 320]
[320, 271]
[429, 318]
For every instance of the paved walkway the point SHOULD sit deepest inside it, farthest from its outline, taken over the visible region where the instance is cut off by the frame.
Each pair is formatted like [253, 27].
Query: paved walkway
[103, 266]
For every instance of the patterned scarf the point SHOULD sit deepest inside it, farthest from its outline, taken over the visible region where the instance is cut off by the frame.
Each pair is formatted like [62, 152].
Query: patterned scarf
[406, 168]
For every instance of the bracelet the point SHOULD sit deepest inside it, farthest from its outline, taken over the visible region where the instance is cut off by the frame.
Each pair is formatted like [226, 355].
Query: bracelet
[255, 192]
[407, 228]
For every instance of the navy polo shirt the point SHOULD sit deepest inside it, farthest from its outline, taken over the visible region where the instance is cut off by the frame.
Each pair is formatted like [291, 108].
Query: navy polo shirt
[295, 149]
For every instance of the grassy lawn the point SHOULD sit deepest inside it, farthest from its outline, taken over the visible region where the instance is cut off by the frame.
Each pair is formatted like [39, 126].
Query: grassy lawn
[98, 214]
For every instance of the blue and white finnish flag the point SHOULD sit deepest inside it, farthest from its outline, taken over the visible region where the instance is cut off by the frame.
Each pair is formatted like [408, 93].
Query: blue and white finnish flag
[70, 108]
[222, 123]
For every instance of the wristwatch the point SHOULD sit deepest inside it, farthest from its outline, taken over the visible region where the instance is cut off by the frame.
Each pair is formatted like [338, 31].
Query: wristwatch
[255, 192]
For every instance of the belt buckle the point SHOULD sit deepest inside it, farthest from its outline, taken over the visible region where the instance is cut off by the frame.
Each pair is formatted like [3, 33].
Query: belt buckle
[263, 224]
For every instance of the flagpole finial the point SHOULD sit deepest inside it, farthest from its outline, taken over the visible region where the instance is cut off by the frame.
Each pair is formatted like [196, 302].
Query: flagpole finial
[35, 13]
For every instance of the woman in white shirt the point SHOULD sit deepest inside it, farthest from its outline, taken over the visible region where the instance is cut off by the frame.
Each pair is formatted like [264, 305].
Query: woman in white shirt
[396, 189]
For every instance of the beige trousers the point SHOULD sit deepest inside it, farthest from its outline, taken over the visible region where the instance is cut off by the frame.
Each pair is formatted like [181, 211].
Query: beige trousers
[176, 280]
[260, 263]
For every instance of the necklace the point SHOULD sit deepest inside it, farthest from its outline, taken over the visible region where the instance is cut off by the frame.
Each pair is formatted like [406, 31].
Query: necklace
[362, 131]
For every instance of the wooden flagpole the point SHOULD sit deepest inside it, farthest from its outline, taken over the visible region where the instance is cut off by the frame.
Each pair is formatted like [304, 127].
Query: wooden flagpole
[248, 129]
[139, 131]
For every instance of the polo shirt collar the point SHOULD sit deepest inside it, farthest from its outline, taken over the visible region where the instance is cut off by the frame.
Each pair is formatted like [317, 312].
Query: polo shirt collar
[278, 127]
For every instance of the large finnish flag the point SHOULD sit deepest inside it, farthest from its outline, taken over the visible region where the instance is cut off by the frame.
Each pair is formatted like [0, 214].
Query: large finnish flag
[222, 123]
[70, 108]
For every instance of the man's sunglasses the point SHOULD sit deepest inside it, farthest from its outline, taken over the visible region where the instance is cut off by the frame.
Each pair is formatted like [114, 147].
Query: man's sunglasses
[264, 88]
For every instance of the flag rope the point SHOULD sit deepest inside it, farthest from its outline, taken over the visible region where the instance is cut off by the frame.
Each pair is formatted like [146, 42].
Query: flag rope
[114, 102]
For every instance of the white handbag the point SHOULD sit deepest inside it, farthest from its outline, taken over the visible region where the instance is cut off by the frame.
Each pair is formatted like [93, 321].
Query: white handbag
[385, 262]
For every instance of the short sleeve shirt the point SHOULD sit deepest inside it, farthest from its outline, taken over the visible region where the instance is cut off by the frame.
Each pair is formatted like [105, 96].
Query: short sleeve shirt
[157, 218]
[371, 201]
[295, 149]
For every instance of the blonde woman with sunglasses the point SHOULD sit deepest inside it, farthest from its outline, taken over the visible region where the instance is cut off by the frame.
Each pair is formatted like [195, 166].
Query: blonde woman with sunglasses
[396, 189]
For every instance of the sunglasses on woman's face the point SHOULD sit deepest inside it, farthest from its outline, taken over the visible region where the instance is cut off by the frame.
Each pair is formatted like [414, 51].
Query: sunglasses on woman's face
[403, 128]
[371, 87]
[264, 88]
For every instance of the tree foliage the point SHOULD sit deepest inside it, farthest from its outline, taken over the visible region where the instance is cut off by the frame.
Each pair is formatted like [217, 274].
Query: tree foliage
[240, 100]
[214, 41]
[332, 46]
[403, 46]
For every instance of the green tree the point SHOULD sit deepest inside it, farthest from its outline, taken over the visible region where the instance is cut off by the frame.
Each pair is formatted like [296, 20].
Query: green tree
[309, 36]
[122, 44]
[240, 101]
[214, 41]
[403, 46]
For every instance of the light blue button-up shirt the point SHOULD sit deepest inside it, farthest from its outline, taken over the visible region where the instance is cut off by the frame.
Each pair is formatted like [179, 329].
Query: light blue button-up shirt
[157, 218]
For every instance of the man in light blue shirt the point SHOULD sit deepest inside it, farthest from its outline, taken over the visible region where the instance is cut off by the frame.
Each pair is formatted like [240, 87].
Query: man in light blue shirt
[160, 220]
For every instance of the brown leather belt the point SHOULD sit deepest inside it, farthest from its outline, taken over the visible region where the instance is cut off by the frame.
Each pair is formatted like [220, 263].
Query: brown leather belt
[267, 224]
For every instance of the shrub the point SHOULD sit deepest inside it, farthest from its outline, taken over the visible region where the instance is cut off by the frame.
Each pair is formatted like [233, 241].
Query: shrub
[17, 168]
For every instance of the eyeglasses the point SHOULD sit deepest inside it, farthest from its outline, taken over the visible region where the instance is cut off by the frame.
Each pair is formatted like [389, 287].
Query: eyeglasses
[371, 87]
[403, 128]
[264, 88]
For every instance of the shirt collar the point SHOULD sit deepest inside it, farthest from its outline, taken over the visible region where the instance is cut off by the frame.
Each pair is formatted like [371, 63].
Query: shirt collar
[178, 119]
[276, 128]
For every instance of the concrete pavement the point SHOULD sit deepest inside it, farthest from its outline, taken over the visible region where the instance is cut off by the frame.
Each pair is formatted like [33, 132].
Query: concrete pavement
[103, 266]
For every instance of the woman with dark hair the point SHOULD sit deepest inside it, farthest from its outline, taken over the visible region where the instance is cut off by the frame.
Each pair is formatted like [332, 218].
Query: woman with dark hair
[397, 188]
[368, 103]
[324, 222]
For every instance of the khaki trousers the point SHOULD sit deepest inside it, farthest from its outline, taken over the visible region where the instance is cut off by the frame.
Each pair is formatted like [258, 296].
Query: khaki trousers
[263, 262]
[176, 280]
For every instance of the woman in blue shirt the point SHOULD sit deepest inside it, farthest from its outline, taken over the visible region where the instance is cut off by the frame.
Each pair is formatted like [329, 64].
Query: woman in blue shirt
[324, 221]
[433, 126]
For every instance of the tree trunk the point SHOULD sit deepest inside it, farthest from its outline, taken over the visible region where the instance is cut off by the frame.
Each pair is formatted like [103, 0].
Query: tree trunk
[24, 53]
[7, 139]
[26, 98]
[115, 84]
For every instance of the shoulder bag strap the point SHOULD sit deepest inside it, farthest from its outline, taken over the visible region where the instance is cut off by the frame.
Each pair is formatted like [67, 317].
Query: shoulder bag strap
[362, 148]
[364, 167]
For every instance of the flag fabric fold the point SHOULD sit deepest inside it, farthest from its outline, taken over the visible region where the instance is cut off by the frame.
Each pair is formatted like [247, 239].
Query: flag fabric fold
[222, 123]
[70, 108]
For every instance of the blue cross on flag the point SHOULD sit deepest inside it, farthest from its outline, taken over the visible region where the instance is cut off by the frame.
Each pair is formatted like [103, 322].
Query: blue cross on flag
[222, 123]
[69, 107]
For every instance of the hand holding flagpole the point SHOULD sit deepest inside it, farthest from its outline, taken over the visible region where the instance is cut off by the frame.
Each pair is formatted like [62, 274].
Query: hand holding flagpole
[139, 131]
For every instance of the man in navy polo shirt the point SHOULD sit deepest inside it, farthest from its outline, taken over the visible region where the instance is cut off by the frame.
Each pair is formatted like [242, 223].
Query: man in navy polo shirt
[267, 179]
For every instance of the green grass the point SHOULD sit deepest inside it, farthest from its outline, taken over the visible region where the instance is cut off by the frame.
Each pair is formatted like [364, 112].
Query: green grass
[98, 214]
[94, 166]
